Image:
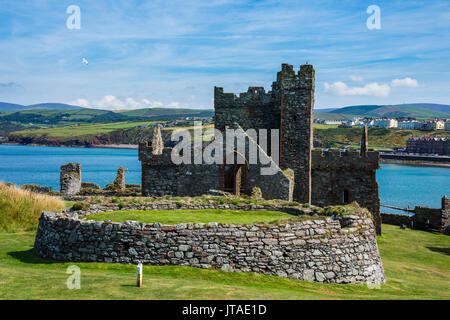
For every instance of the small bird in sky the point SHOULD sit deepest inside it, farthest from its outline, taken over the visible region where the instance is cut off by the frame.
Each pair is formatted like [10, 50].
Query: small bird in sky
[84, 61]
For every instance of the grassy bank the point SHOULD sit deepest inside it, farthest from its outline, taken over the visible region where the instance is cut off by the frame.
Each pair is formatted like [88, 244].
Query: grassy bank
[21, 209]
[192, 216]
[416, 265]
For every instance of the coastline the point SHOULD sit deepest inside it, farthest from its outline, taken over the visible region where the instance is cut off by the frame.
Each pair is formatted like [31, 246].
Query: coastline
[417, 163]
[109, 146]
[115, 146]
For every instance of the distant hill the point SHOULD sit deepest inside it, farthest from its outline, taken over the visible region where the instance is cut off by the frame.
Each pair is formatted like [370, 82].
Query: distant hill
[40, 114]
[325, 110]
[8, 107]
[53, 106]
[47, 116]
[414, 110]
[430, 106]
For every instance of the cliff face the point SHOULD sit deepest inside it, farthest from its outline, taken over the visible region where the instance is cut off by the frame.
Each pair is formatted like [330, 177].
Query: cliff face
[127, 136]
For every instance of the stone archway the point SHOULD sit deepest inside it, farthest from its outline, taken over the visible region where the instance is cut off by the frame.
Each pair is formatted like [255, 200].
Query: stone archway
[235, 177]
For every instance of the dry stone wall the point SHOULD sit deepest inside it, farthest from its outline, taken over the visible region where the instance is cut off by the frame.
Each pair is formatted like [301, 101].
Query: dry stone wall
[322, 250]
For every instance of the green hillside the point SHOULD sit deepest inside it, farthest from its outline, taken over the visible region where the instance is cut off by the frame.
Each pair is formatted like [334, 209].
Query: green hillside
[45, 116]
[167, 113]
[418, 111]
[61, 117]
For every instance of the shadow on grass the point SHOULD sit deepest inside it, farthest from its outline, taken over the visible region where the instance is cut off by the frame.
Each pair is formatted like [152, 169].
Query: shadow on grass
[440, 250]
[28, 256]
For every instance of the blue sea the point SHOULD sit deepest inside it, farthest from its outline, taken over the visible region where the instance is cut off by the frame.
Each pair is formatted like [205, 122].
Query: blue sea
[399, 185]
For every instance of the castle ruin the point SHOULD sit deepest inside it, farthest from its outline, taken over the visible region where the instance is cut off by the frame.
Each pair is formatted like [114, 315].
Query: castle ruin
[320, 177]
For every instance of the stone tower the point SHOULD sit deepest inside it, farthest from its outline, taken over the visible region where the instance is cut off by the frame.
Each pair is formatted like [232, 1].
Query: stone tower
[296, 127]
[364, 142]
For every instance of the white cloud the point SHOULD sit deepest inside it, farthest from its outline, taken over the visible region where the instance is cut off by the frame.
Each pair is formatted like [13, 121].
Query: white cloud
[80, 102]
[130, 102]
[371, 89]
[152, 104]
[356, 78]
[174, 104]
[405, 83]
[111, 102]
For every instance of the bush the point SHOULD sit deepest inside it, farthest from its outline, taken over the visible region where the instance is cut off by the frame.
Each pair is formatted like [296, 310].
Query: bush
[235, 202]
[121, 205]
[77, 206]
[293, 204]
[20, 209]
[115, 200]
[179, 204]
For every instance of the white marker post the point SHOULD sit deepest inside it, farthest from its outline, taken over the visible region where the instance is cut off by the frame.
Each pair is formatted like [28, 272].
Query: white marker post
[139, 275]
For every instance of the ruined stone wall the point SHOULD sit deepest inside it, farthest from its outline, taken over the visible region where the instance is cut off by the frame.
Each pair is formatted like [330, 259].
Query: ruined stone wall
[195, 180]
[430, 219]
[70, 178]
[252, 109]
[335, 173]
[330, 251]
[160, 176]
[397, 219]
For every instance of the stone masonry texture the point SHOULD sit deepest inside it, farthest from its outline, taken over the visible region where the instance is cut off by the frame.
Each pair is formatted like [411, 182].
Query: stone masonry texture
[70, 178]
[326, 251]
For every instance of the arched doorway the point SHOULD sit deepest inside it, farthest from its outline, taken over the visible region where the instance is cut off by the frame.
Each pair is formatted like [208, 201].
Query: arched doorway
[236, 177]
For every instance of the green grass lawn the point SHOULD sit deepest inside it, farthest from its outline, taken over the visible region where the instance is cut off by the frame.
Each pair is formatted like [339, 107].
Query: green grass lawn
[192, 216]
[417, 266]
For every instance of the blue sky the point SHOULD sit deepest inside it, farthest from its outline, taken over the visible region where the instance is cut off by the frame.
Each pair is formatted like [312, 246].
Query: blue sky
[172, 53]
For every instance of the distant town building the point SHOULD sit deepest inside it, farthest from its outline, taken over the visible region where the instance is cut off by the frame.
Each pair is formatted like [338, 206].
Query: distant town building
[428, 126]
[409, 125]
[331, 122]
[447, 125]
[428, 145]
[384, 123]
[355, 122]
[440, 125]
